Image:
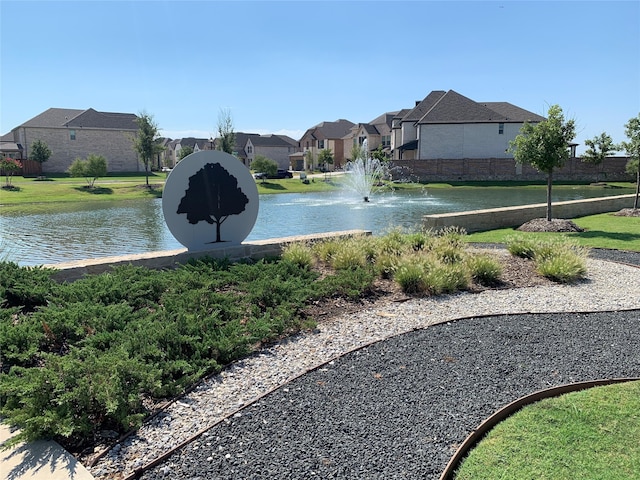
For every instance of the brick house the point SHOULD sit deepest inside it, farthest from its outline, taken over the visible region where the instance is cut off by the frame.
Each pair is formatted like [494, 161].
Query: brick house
[377, 133]
[325, 135]
[448, 136]
[71, 134]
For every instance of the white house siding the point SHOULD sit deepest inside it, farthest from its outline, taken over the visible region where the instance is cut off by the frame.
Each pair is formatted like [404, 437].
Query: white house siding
[478, 140]
[115, 145]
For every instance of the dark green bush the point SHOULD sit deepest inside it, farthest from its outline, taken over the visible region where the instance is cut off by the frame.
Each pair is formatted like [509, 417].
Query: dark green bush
[25, 287]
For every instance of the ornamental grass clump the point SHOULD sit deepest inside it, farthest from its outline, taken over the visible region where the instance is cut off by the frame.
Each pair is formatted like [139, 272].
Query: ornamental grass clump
[484, 269]
[565, 265]
[298, 253]
[559, 259]
[412, 277]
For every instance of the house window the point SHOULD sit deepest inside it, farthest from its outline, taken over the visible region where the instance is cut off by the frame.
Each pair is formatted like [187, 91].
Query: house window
[386, 140]
[320, 143]
[72, 134]
[361, 140]
[500, 128]
[249, 149]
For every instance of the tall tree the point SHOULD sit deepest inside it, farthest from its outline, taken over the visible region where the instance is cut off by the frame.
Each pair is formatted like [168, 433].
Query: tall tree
[545, 145]
[145, 141]
[600, 147]
[632, 148]
[40, 152]
[226, 137]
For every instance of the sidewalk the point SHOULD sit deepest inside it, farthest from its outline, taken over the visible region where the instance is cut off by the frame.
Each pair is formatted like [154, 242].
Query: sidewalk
[38, 460]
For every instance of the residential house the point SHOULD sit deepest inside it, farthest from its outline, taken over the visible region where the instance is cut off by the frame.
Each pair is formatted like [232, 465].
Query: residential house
[195, 144]
[325, 135]
[377, 133]
[71, 134]
[9, 148]
[447, 125]
[275, 147]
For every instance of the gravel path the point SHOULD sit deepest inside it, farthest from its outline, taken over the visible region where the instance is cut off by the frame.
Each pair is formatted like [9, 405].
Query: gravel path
[397, 408]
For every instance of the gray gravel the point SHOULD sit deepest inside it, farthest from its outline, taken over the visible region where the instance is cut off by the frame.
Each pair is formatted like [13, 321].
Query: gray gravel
[400, 407]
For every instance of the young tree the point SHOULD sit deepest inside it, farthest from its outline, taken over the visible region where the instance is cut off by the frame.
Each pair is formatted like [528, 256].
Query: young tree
[226, 140]
[632, 148]
[545, 145]
[380, 155]
[94, 167]
[356, 152]
[145, 141]
[40, 152]
[9, 166]
[309, 160]
[600, 147]
[325, 157]
[262, 164]
[184, 151]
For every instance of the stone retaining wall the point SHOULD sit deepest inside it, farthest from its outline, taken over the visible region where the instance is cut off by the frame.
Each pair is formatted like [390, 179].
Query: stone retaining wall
[493, 218]
[70, 271]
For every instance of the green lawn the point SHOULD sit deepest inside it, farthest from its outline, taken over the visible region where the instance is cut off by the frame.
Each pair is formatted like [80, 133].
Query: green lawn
[604, 230]
[62, 189]
[591, 434]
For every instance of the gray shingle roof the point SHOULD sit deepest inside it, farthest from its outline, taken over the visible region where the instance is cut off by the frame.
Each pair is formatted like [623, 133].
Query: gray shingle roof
[384, 119]
[513, 113]
[269, 141]
[328, 130]
[93, 119]
[53, 117]
[90, 118]
[417, 112]
[455, 108]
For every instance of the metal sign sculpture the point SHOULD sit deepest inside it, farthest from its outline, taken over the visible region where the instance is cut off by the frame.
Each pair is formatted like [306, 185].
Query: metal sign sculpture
[210, 199]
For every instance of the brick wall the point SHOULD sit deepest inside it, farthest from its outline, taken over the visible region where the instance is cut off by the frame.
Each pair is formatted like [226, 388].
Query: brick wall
[492, 169]
[115, 145]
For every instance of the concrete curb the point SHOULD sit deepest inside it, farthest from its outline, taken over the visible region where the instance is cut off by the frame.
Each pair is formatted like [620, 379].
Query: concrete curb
[38, 460]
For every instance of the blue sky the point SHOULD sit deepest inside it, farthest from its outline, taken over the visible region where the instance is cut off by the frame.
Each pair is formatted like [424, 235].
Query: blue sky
[283, 67]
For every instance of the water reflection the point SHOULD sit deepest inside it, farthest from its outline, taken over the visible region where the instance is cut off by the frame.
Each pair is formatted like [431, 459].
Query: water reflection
[92, 230]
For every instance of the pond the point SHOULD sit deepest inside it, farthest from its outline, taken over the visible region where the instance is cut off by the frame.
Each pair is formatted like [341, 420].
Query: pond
[101, 229]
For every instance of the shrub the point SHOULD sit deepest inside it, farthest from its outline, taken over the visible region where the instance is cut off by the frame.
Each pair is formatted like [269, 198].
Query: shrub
[26, 287]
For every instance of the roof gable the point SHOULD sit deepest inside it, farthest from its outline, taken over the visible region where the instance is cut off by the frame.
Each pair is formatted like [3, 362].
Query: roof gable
[455, 108]
[417, 112]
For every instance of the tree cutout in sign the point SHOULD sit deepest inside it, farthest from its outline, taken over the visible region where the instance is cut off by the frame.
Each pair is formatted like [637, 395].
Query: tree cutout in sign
[213, 194]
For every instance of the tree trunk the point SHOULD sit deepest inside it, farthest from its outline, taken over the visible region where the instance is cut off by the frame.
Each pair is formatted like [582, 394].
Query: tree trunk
[549, 183]
[635, 201]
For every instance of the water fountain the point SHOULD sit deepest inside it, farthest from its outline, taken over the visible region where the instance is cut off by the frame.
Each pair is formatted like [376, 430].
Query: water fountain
[364, 173]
